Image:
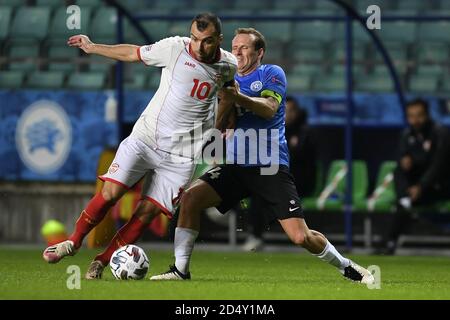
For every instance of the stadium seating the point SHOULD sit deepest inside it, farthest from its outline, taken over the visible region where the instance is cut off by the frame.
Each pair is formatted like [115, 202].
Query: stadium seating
[307, 52]
[212, 6]
[417, 48]
[136, 82]
[137, 76]
[444, 4]
[436, 32]
[97, 63]
[90, 3]
[228, 31]
[154, 81]
[307, 69]
[27, 54]
[48, 3]
[59, 33]
[399, 32]
[329, 83]
[157, 29]
[432, 53]
[412, 4]
[62, 58]
[445, 85]
[5, 19]
[309, 203]
[86, 81]
[382, 199]
[13, 3]
[11, 79]
[360, 36]
[332, 196]
[338, 52]
[374, 83]
[253, 5]
[30, 24]
[317, 31]
[170, 4]
[339, 69]
[292, 5]
[423, 83]
[281, 31]
[103, 27]
[136, 5]
[45, 80]
[299, 83]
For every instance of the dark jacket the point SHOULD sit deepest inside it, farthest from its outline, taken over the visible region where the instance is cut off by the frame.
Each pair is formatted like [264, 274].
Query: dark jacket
[303, 157]
[430, 153]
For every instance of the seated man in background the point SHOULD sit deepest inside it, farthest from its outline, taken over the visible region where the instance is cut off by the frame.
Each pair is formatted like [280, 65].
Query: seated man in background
[422, 176]
[302, 147]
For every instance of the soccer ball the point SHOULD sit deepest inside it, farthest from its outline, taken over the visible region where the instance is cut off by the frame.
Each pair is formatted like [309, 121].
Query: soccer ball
[129, 262]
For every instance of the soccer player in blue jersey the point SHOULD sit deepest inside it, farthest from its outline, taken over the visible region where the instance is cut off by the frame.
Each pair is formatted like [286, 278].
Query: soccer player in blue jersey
[259, 101]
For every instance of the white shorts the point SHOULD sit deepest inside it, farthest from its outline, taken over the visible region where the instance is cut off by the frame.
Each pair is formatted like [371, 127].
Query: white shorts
[166, 175]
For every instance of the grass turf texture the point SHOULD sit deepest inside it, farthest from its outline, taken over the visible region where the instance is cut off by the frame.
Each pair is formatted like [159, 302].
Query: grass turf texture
[224, 275]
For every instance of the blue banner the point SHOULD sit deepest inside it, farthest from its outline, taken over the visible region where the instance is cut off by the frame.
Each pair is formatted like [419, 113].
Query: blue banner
[54, 135]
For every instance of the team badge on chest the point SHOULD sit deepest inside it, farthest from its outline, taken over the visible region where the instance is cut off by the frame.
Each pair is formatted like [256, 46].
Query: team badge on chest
[256, 86]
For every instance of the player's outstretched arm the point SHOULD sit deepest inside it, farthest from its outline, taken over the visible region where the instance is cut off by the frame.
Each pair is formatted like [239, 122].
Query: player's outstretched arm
[121, 52]
[265, 107]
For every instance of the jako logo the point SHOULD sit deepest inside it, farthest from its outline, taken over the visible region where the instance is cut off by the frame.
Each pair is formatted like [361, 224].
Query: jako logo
[44, 137]
[189, 64]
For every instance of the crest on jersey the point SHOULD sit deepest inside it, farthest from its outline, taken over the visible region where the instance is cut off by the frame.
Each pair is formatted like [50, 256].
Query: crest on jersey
[256, 86]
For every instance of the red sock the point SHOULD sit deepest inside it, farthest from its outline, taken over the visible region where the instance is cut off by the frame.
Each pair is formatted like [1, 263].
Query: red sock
[128, 234]
[94, 212]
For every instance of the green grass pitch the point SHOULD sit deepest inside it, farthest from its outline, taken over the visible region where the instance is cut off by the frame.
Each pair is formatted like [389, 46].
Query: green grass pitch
[226, 275]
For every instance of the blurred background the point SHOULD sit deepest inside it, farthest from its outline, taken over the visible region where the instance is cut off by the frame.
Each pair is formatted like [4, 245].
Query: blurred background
[63, 113]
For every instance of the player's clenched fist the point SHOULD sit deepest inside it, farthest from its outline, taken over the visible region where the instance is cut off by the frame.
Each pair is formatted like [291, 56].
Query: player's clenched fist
[229, 93]
[81, 41]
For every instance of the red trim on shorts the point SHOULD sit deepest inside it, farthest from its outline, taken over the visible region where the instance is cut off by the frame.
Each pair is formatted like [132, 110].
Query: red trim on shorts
[178, 197]
[114, 181]
[160, 206]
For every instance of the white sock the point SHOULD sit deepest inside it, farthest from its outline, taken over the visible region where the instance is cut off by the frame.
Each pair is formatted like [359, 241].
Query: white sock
[333, 257]
[184, 244]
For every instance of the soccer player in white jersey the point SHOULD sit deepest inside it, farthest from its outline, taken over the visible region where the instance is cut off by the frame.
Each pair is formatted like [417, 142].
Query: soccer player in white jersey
[193, 70]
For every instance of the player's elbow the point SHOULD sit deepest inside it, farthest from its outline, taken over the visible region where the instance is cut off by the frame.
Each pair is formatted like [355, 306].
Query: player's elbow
[271, 109]
[132, 55]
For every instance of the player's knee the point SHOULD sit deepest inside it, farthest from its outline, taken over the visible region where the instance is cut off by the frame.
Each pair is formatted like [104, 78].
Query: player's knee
[111, 195]
[147, 217]
[299, 238]
[188, 201]
[147, 211]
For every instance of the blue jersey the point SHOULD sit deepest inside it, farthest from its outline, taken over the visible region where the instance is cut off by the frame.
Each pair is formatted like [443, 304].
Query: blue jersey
[266, 80]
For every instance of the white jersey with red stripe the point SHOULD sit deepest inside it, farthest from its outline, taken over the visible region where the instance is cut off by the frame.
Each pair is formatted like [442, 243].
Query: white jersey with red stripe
[186, 100]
